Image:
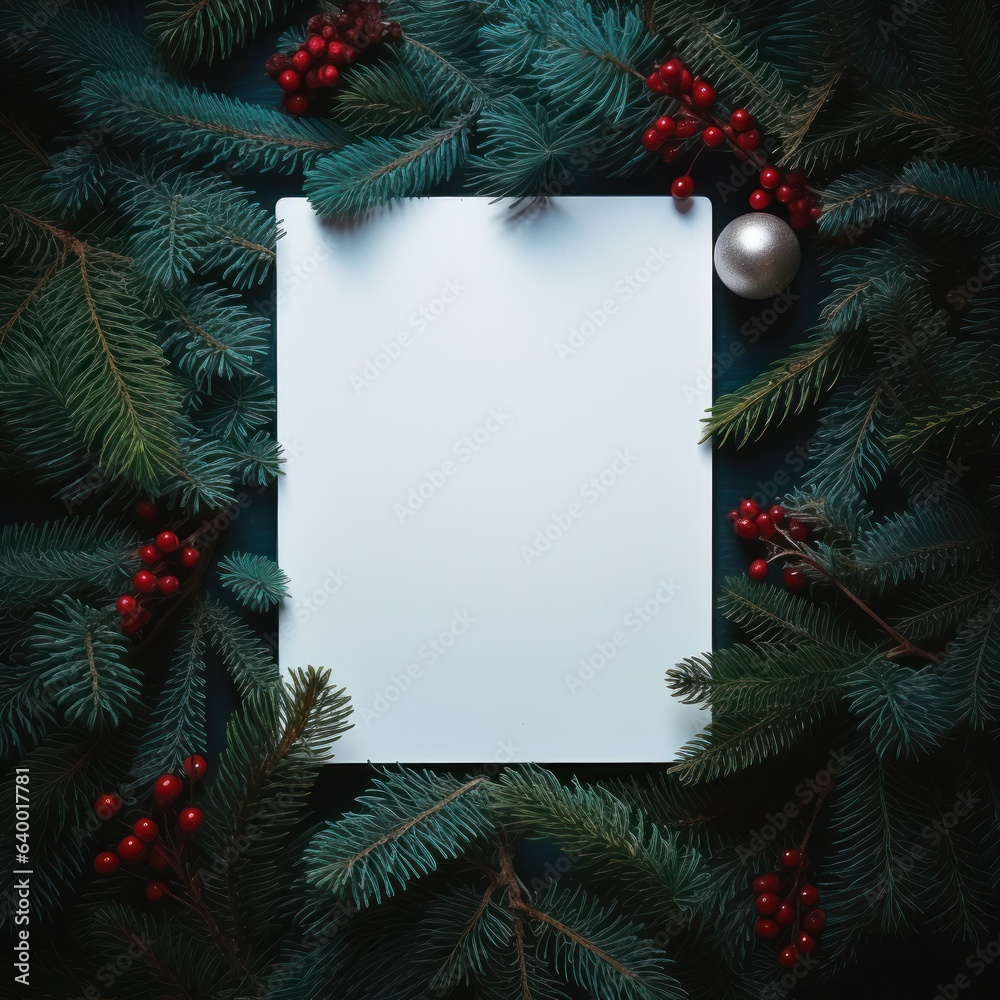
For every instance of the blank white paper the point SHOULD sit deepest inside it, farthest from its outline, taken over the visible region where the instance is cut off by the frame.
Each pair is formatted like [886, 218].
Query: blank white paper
[495, 512]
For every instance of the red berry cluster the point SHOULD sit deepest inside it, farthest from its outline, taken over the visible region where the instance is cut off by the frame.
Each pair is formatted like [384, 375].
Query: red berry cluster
[751, 523]
[156, 580]
[333, 42]
[699, 115]
[146, 842]
[786, 903]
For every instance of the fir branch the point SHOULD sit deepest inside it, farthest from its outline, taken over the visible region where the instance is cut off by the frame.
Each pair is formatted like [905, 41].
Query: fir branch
[973, 666]
[736, 742]
[208, 127]
[248, 660]
[256, 581]
[379, 170]
[178, 726]
[411, 820]
[81, 556]
[598, 948]
[603, 829]
[79, 655]
[939, 607]
[191, 31]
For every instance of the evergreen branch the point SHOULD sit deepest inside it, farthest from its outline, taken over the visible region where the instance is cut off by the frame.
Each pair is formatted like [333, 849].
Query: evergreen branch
[603, 829]
[939, 607]
[257, 581]
[248, 660]
[736, 742]
[378, 170]
[973, 661]
[210, 127]
[78, 655]
[192, 31]
[373, 853]
[805, 112]
[75, 556]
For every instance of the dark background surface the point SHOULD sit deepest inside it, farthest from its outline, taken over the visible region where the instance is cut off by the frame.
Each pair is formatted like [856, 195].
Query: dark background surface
[912, 970]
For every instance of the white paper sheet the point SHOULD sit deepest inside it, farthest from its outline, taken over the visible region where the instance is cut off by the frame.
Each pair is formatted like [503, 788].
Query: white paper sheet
[495, 514]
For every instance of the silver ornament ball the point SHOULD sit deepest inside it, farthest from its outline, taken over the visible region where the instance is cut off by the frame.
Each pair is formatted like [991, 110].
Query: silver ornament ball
[757, 255]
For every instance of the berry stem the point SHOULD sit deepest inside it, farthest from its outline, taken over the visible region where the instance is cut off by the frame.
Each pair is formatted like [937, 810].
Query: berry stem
[905, 647]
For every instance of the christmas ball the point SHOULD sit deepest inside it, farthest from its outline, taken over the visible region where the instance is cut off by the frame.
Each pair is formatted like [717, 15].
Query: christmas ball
[757, 255]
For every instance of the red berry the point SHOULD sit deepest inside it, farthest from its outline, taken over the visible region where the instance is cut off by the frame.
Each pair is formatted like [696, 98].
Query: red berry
[189, 820]
[155, 891]
[126, 604]
[682, 187]
[655, 84]
[296, 104]
[145, 829]
[764, 526]
[702, 95]
[168, 585]
[670, 74]
[748, 508]
[687, 82]
[315, 24]
[329, 76]
[157, 859]
[809, 894]
[815, 212]
[106, 863]
[766, 928]
[108, 805]
[336, 52]
[805, 942]
[131, 624]
[131, 850]
[789, 957]
[748, 140]
[799, 531]
[189, 557]
[815, 921]
[149, 554]
[289, 80]
[800, 206]
[274, 66]
[793, 579]
[792, 858]
[797, 221]
[686, 126]
[167, 789]
[745, 528]
[316, 45]
[652, 139]
[796, 177]
[670, 150]
[144, 581]
[759, 199]
[785, 194]
[328, 31]
[195, 766]
[302, 60]
[777, 513]
[740, 119]
[734, 516]
[770, 178]
[768, 882]
[665, 125]
[758, 571]
[713, 136]
[785, 914]
[167, 542]
[767, 903]
[146, 509]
